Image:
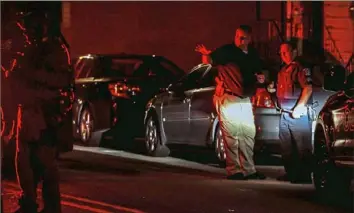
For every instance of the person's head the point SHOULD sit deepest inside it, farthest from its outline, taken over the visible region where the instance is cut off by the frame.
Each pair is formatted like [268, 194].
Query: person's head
[13, 11]
[243, 36]
[288, 51]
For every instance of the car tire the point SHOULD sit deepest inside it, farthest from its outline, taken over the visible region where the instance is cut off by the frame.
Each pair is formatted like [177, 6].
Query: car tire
[328, 179]
[219, 146]
[86, 125]
[153, 146]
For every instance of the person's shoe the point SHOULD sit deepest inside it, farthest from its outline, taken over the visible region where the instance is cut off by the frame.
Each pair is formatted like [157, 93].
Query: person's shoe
[26, 206]
[256, 176]
[236, 176]
[21, 210]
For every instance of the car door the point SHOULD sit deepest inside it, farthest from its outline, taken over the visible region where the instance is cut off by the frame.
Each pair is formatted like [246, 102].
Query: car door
[349, 122]
[100, 96]
[92, 91]
[176, 108]
[339, 107]
[202, 111]
[83, 85]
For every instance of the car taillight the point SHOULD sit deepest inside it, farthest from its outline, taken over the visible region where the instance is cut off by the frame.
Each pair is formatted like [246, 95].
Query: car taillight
[122, 90]
[262, 99]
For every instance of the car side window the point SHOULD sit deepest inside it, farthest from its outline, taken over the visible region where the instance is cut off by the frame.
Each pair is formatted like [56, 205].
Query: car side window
[349, 84]
[192, 80]
[208, 79]
[78, 68]
[119, 67]
[171, 67]
[83, 68]
[165, 71]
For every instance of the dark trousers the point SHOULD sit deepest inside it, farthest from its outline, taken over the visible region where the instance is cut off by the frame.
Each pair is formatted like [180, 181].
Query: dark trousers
[36, 161]
[296, 144]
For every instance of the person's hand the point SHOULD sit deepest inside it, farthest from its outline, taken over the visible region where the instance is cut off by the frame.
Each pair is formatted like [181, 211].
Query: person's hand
[299, 111]
[202, 49]
[271, 87]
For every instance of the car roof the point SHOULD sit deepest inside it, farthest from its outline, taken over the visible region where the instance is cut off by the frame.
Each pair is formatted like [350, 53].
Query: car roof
[131, 56]
[124, 56]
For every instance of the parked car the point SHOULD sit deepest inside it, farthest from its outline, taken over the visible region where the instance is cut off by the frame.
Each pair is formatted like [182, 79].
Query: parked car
[185, 114]
[112, 91]
[334, 137]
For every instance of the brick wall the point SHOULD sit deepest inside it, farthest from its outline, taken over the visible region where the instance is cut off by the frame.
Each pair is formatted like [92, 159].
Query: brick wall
[171, 29]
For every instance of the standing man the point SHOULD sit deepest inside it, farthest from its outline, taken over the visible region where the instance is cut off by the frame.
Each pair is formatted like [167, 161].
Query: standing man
[239, 52]
[40, 71]
[294, 91]
[238, 64]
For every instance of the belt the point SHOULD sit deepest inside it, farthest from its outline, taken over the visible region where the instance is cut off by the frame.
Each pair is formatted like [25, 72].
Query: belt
[232, 93]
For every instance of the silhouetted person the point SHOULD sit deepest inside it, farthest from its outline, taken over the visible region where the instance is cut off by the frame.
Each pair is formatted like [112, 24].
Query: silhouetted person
[34, 68]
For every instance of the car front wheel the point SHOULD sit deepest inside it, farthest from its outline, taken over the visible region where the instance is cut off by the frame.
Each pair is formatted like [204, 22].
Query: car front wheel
[153, 144]
[86, 126]
[327, 177]
[220, 148]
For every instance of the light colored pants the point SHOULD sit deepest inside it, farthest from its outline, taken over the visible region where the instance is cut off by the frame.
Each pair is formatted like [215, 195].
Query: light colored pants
[238, 129]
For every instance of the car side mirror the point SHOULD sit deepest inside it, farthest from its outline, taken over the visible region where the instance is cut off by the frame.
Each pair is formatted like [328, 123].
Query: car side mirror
[334, 78]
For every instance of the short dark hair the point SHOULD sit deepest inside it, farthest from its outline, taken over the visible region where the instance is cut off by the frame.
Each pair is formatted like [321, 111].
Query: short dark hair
[245, 28]
[292, 43]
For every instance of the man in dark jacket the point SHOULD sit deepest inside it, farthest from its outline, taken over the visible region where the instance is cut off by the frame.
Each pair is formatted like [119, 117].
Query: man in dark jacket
[35, 68]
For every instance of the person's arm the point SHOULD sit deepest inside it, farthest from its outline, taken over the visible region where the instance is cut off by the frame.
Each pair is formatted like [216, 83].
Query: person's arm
[216, 57]
[219, 56]
[305, 81]
[206, 59]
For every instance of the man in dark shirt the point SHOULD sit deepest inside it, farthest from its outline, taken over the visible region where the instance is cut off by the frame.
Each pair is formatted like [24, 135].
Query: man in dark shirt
[239, 52]
[237, 65]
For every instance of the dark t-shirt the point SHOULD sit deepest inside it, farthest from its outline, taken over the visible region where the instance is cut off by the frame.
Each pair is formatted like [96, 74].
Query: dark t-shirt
[248, 63]
[229, 53]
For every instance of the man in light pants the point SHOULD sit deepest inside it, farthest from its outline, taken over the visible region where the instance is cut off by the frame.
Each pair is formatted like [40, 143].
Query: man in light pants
[232, 102]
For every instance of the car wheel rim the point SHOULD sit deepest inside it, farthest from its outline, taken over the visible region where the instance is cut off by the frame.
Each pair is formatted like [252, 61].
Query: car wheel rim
[220, 146]
[151, 136]
[86, 126]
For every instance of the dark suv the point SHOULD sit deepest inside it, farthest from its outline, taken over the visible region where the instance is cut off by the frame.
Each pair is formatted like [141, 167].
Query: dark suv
[111, 92]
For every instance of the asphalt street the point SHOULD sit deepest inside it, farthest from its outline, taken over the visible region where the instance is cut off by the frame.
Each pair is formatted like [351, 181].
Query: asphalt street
[103, 180]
